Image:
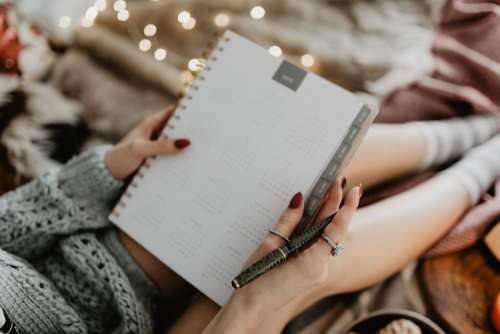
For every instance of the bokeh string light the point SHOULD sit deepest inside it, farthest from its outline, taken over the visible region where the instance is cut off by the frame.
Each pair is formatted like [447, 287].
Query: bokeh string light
[183, 16]
[123, 15]
[307, 60]
[101, 5]
[145, 45]
[119, 5]
[196, 64]
[275, 51]
[64, 22]
[91, 13]
[257, 12]
[160, 54]
[222, 20]
[190, 24]
[187, 22]
[150, 30]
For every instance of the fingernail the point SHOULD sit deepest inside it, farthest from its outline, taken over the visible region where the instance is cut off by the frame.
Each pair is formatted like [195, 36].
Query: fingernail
[344, 183]
[295, 201]
[182, 143]
[360, 190]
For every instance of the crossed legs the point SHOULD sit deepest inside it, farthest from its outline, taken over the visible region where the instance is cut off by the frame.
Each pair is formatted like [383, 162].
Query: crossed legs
[384, 236]
[387, 235]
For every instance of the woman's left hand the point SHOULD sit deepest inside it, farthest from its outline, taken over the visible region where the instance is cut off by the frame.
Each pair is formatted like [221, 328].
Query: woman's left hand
[261, 300]
[141, 143]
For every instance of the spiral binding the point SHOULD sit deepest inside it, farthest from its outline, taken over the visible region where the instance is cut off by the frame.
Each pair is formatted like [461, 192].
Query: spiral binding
[208, 56]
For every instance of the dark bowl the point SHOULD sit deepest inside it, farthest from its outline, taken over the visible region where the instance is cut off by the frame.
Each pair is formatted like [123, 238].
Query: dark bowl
[375, 321]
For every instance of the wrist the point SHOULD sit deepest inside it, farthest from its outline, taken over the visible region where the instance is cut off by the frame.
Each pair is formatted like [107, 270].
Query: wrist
[239, 315]
[87, 177]
[113, 169]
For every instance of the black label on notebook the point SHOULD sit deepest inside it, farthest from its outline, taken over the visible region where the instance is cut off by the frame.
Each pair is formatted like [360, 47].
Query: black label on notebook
[289, 75]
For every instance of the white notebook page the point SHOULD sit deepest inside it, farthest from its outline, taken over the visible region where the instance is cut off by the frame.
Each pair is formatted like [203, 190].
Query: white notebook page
[255, 143]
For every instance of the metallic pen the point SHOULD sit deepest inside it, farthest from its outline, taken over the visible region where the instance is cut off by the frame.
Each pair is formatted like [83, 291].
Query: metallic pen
[279, 255]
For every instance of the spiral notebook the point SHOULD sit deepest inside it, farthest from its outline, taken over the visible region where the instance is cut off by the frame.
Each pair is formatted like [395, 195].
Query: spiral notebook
[262, 129]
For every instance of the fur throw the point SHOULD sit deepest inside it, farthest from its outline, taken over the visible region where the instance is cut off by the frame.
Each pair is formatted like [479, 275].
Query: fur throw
[33, 118]
[112, 102]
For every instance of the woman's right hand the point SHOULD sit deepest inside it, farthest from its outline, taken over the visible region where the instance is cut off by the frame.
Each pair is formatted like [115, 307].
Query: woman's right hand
[250, 305]
[141, 143]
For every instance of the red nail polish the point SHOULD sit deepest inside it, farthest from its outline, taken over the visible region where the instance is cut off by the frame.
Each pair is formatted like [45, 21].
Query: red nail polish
[182, 143]
[296, 201]
[344, 183]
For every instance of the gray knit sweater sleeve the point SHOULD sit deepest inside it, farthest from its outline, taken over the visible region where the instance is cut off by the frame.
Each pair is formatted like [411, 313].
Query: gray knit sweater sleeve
[60, 270]
[76, 198]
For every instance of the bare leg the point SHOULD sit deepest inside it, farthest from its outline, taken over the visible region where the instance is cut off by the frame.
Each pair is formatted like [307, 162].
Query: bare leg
[385, 237]
[393, 150]
[377, 160]
[409, 223]
[388, 151]
[168, 282]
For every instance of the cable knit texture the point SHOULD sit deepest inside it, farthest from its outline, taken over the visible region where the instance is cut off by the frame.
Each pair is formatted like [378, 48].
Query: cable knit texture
[60, 270]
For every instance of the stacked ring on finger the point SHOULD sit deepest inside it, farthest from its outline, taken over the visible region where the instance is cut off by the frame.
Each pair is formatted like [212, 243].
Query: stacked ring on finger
[279, 234]
[337, 247]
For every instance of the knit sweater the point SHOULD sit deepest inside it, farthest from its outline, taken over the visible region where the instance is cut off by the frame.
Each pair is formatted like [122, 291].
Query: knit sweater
[62, 268]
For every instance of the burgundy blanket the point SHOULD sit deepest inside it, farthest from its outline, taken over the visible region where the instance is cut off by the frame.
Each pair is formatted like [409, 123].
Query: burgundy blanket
[465, 80]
